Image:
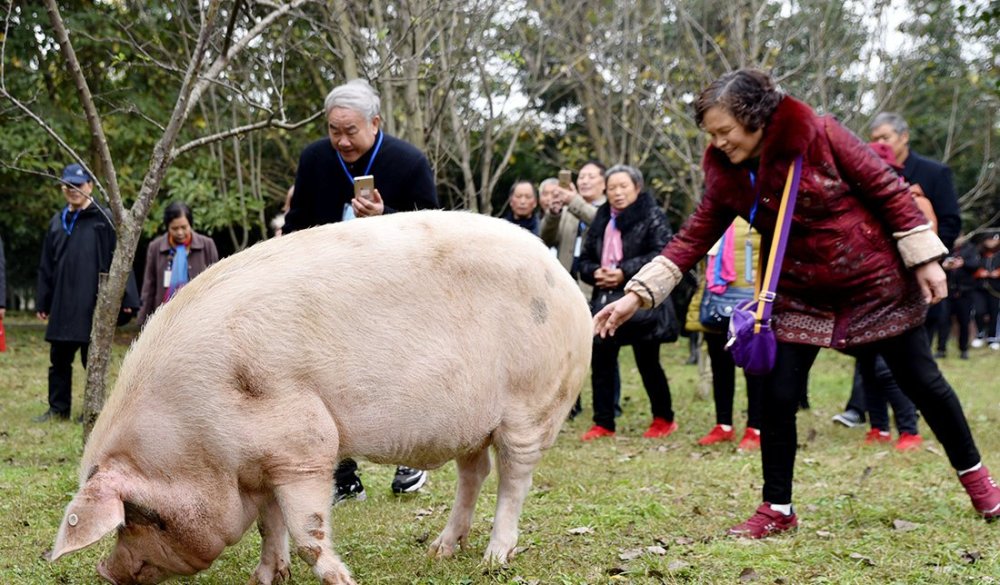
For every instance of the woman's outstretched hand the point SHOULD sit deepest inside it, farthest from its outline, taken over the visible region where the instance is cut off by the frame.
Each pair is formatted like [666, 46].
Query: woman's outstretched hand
[612, 316]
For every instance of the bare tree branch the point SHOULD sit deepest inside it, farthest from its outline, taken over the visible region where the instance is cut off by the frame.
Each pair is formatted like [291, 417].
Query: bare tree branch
[243, 130]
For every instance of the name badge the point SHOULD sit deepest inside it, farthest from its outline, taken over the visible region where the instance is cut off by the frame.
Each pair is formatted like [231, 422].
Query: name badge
[166, 278]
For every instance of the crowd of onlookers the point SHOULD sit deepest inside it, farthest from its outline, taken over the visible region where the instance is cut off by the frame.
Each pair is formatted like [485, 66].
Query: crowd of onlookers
[864, 263]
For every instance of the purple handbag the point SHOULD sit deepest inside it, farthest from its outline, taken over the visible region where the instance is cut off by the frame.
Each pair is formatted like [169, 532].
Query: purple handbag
[751, 340]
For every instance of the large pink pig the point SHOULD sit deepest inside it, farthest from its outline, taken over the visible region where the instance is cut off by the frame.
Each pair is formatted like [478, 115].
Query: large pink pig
[414, 338]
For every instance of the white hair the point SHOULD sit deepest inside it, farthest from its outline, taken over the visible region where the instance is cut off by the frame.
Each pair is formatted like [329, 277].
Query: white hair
[355, 95]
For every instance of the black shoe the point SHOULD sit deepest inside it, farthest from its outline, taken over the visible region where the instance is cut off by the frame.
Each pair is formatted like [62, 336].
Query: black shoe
[408, 480]
[49, 415]
[350, 489]
[964, 355]
[940, 354]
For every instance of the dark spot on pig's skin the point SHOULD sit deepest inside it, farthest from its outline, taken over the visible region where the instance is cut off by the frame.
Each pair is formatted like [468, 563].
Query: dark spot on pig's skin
[246, 383]
[539, 310]
[549, 280]
[92, 472]
[314, 521]
[309, 554]
[317, 534]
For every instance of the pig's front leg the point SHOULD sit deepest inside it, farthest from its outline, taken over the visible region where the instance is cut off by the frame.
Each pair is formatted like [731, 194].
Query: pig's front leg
[305, 506]
[472, 471]
[275, 563]
[514, 470]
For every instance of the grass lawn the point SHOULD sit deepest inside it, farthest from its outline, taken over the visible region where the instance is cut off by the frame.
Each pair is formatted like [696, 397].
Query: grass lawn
[622, 510]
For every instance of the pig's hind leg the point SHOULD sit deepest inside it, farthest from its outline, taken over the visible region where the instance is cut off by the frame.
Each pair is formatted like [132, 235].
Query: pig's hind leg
[305, 505]
[472, 471]
[515, 464]
[274, 567]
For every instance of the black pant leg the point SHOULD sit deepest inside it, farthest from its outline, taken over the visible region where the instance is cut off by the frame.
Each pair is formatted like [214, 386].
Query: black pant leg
[654, 379]
[603, 381]
[780, 402]
[909, 357]
[723, 377]
[61, 375]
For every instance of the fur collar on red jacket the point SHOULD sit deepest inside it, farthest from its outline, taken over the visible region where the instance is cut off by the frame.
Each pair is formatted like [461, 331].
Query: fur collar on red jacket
[789, 133]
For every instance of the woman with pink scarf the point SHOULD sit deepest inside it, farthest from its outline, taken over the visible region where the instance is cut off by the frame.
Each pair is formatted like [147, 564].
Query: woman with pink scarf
[629, 230]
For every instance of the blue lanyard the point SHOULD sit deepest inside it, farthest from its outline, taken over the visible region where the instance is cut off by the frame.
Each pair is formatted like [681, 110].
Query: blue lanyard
[753, 185]
[368, 169]
[68, 228]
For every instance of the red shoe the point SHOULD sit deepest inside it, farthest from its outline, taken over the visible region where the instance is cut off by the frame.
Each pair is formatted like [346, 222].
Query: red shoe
[596, 432]
[764, 523]
[717, 435]
[983, 491]
[878, 436]
[908, 442]
[660, 429]
[751, 440]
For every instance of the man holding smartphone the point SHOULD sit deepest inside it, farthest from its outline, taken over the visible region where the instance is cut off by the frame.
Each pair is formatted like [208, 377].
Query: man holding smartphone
[359, 171]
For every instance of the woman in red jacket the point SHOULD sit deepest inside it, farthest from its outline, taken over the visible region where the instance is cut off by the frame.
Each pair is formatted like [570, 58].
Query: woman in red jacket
[859, 271]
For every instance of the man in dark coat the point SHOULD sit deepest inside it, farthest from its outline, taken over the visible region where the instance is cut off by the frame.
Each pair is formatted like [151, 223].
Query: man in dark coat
[324, 193]
[77, 248]
[934, 179]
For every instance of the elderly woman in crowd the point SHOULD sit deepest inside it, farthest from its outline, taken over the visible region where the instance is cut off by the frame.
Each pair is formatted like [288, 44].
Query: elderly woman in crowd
[627, 232]
[174, 258]
[859, 272]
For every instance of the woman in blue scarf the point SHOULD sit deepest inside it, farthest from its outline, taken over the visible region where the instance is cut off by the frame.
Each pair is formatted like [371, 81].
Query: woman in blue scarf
[174, 258]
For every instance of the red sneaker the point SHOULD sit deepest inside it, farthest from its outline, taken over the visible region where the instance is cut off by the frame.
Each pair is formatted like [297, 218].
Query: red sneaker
[878, 436]
[717, 435]
[660, 429]
[764, 523]
[596, 432]
[751, 440]
[983, 491]
[908, 442]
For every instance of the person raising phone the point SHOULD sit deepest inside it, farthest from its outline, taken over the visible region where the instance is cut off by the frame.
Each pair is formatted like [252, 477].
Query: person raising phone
[359, 171]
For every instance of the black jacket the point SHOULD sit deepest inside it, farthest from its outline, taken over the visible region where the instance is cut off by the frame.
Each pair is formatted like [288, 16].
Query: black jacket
[402, 174]
[69, 270]
[935, 179]
[645, 231]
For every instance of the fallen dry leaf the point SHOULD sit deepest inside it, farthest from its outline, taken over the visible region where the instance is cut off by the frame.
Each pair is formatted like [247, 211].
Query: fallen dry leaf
[581, 530]
[862, 559]
[656, 550]
[630, 554]
[971, 556]
[677, 565]
[904, 526]
[747, 575]
[824, 534]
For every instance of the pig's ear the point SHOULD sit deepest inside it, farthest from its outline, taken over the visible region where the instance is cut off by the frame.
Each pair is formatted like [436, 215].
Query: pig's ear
[95, 511]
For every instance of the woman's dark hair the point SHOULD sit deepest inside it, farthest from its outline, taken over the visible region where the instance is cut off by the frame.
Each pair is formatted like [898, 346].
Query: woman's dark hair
[596, 163]
[750, 95]
[175, 210]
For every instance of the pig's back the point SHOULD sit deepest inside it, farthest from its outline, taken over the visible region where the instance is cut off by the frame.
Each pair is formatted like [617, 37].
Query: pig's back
[417, 333]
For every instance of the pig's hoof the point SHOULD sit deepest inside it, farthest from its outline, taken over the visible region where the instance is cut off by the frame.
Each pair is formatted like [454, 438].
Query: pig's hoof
[265, 575]
[497, 556]
[337, 578]
[444, 548]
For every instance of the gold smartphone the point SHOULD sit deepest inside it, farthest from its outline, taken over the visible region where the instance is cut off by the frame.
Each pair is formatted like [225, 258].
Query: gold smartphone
[364, 187]
[565, 178]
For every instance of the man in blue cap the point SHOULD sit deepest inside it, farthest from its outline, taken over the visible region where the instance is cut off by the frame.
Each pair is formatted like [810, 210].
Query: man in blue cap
[77, 249]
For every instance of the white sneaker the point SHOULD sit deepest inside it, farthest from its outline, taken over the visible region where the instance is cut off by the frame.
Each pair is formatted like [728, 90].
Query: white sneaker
[995, 346]
[977, 343]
